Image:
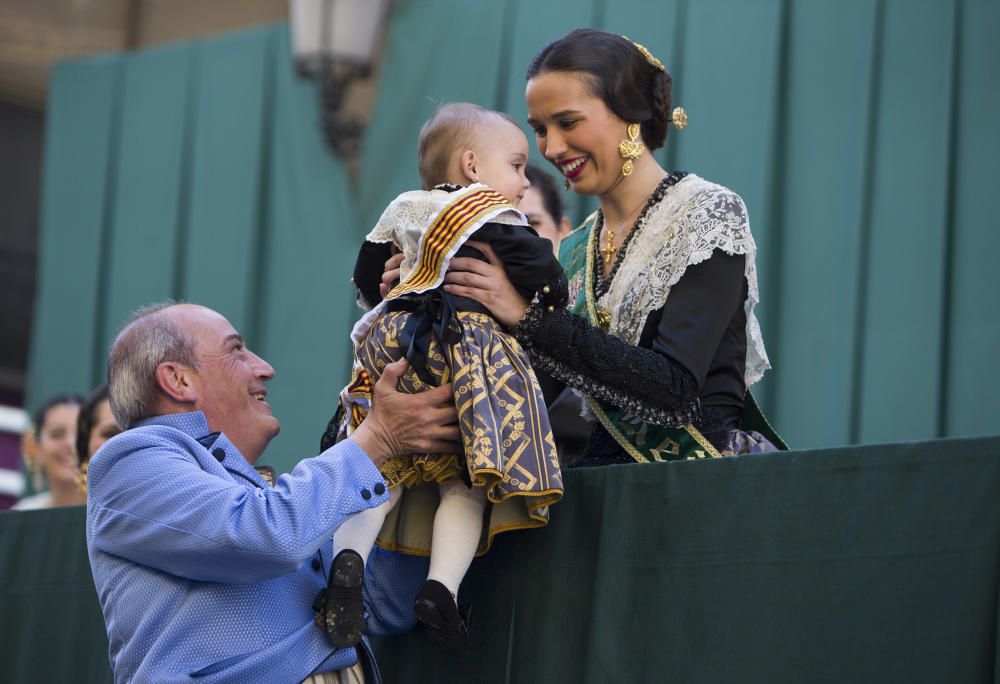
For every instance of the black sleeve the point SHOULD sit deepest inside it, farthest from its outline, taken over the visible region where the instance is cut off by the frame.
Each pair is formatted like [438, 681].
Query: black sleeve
[652, 384]
[368, 270]
[698, 311]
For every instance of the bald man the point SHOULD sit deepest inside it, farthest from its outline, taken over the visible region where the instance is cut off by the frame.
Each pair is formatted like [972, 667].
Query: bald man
[203, 569]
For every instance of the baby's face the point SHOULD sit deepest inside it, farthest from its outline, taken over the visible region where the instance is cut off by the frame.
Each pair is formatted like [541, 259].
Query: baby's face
[502, 155]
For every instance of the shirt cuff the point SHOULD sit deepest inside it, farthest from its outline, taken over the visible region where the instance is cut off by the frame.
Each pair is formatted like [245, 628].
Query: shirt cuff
[359, 469]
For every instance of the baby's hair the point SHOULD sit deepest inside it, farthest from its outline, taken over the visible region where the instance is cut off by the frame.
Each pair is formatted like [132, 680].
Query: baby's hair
[453, 126]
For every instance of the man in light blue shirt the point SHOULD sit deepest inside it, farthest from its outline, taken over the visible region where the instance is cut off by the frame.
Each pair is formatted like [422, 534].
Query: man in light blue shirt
[203, 570]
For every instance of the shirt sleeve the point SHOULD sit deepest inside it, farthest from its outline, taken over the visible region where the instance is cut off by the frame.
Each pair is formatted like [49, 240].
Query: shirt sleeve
[157, 507]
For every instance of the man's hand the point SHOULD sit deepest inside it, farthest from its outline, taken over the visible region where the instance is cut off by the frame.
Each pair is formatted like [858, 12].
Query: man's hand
[401, 424]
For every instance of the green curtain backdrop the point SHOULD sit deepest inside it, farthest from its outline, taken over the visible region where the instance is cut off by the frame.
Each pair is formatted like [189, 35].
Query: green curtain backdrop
[197, 172]
[859, 132]
[859, 564]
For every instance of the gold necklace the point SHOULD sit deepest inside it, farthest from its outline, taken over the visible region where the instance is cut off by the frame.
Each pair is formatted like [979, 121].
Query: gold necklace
[609, 249]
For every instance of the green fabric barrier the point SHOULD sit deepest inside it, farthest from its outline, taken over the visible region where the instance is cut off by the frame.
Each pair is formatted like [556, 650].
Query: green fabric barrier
[862, 564]
[52, 629]
[850, 565]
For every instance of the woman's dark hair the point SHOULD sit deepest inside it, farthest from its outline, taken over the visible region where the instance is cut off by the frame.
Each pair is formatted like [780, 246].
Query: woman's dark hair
[546, 186]
[88, 420]
[631, 87]
[43, 411]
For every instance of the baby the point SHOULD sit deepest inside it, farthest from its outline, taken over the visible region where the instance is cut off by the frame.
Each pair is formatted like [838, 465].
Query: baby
[450, 506]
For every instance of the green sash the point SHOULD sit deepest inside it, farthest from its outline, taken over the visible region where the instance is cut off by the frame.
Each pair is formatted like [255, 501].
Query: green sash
[644, 441]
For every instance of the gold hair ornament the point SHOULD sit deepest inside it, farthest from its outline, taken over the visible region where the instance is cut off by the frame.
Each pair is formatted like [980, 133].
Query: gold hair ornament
[630, 149]
[647, 54]
[680, 118]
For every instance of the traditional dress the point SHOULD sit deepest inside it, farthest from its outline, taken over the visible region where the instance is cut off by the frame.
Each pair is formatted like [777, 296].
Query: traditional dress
[664, 348]
[509, 448]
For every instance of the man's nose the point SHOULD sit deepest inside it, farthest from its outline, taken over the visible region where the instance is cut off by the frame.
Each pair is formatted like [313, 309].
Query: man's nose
[262, 368]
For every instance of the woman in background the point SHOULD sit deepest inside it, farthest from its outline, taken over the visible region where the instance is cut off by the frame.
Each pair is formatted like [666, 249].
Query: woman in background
[544, 208]
[50, 454]
[95, 426]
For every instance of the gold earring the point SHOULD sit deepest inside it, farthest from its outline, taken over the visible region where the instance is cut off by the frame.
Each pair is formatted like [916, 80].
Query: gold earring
[630, 149]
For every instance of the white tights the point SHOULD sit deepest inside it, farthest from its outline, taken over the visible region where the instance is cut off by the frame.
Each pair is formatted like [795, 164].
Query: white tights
[458, 524]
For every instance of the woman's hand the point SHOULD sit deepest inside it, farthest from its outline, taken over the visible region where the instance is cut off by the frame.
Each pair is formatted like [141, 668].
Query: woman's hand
[487, 283]
[391, 274]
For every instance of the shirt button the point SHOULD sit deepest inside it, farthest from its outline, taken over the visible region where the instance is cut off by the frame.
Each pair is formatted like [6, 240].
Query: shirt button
[365, 494]
[316, 565]
[379, 488]
[219, 454]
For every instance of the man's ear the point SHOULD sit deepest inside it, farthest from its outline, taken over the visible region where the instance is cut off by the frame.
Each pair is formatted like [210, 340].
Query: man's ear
[468, 163]
[565, 227]
[174, 380]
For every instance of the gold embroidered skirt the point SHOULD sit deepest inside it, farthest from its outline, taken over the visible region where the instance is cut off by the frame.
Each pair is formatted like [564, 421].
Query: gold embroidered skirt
[509, 448]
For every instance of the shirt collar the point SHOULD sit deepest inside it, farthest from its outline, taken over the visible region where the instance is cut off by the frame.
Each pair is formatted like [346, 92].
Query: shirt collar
[193, 423]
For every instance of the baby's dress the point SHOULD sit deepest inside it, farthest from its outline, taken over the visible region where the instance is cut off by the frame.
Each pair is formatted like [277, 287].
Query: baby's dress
[509, 447]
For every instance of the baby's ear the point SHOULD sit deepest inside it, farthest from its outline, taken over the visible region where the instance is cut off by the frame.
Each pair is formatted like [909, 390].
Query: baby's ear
[468, 164]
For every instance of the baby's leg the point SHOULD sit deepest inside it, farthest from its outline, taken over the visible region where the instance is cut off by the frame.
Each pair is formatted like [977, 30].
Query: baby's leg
[359, 532]
[343, 609]
[458, 525]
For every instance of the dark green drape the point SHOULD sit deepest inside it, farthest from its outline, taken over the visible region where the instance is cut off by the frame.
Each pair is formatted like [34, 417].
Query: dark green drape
[864, 564]
[860, 134]
[197, 172]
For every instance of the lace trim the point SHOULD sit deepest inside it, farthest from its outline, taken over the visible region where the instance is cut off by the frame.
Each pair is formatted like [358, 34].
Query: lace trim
[602, 283]
[682, 230]
[407, 217]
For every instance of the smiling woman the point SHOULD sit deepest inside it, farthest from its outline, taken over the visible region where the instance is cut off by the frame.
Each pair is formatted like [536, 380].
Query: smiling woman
[661, 336]
[50, 455]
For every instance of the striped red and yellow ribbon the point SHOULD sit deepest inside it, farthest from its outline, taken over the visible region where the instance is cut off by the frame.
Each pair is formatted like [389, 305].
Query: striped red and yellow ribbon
[450, 225]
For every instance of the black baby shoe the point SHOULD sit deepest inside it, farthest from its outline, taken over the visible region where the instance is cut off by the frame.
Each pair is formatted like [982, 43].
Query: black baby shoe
[341, 607]
[436, 608]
